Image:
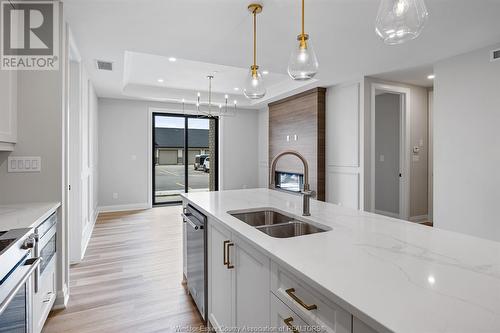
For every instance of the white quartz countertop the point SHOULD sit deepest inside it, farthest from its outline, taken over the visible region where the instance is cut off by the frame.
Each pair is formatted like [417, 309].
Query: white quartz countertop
[26, 215]
[389, 273]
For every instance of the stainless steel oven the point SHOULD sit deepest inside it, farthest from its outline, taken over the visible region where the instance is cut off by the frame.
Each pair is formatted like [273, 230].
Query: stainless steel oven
[196, 274]
[45, 247]
[17, 267]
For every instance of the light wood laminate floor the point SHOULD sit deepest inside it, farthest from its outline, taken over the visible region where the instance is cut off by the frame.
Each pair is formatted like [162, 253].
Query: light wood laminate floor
[130, 278]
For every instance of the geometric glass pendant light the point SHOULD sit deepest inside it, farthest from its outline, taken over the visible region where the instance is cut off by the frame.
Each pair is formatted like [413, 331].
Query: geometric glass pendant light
[303, 63]
[399, 21]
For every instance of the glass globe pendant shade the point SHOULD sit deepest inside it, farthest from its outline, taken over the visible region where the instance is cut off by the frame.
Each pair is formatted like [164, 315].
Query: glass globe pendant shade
[303, 63]
[254, 84]
[399, 21]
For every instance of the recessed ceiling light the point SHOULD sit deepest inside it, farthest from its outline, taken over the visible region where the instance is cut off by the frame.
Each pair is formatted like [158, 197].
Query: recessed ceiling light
[265, 72]
[172, 59]
[431, 77]
[160, 80]
[236, 89]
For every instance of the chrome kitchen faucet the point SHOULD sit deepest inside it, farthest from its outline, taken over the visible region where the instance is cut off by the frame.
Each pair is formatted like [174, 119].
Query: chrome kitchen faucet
[306, 192]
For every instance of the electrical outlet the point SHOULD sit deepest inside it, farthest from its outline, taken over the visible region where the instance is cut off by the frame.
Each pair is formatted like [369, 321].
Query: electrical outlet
[115, 195]
[24, 164]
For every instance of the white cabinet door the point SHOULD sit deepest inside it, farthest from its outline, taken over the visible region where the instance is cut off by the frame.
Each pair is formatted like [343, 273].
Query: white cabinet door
[8, 107]
[220, 278]
[251, 285]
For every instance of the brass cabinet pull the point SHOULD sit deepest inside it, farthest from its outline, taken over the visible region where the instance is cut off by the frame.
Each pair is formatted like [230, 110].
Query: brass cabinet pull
[288, 322]
[229, 266]
[290, 293]
[225, 251]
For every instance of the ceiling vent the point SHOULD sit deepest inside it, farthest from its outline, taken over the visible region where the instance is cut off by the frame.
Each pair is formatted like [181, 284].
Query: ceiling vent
[104, 65]
[495, 55]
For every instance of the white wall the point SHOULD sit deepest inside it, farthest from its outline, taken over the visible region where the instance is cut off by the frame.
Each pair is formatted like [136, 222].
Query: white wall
[263, 147]
[344, 145]
[466, 144]
[123, 151]
[238, 152]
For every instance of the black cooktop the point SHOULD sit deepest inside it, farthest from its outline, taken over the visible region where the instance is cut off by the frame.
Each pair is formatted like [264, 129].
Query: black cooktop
[4, 243]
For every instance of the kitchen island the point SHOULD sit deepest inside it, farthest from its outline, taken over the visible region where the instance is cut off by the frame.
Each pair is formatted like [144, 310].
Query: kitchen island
[366, 273]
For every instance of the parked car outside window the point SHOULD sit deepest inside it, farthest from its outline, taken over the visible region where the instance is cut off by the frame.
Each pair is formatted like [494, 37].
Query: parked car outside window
[199, 161]
[206, 164]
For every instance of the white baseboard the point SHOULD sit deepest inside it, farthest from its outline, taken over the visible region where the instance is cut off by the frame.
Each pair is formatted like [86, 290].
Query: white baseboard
[390, 214]
[87, 234]
[123, 208]
[61, 299]
[419, 218]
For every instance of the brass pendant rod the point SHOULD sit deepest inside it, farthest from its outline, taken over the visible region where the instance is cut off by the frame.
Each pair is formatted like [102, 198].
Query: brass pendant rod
[303, 31]
[255, 37]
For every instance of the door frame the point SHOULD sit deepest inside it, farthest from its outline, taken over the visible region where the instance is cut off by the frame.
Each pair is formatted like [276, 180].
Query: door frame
[404, 147]
[430, 167]
[150, 166]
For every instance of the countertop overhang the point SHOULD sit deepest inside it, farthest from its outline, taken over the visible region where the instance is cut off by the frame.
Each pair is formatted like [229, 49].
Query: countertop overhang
[390, 273]
[26, 215]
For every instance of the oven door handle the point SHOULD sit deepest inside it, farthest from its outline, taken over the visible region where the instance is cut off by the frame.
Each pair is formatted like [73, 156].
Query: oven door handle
[191, 223]
[33, 264]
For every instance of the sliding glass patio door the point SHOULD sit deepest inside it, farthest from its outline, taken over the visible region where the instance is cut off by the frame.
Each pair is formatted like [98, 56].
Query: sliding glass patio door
[184, 156]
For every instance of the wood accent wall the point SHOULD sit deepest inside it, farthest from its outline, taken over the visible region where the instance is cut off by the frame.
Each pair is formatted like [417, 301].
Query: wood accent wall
[302, 115]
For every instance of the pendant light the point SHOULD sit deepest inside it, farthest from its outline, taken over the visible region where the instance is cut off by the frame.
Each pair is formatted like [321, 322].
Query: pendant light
[303, 64]
[399, 21]
[254, 86]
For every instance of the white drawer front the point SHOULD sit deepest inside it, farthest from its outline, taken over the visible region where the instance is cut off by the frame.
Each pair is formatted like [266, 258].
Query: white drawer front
[285, 320]
[308, 303]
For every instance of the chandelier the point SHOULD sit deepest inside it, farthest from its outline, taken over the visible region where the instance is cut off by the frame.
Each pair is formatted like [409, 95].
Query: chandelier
[214, 110]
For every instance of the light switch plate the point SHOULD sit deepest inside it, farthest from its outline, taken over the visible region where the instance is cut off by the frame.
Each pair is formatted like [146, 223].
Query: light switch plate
[24, 164]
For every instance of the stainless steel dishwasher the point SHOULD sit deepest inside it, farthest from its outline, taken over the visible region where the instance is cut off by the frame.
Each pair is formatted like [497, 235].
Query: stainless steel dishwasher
[196, 256]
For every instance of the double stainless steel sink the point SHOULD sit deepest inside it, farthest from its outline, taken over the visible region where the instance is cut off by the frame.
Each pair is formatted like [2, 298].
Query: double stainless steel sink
[277, 224]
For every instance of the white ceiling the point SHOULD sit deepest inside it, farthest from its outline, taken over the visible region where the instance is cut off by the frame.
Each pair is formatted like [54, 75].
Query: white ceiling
[417, 76]
[218, 34]
[160, 78]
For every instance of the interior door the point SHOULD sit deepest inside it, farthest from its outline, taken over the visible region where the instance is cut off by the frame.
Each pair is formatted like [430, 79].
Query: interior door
[388, 154]
[75, 158]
